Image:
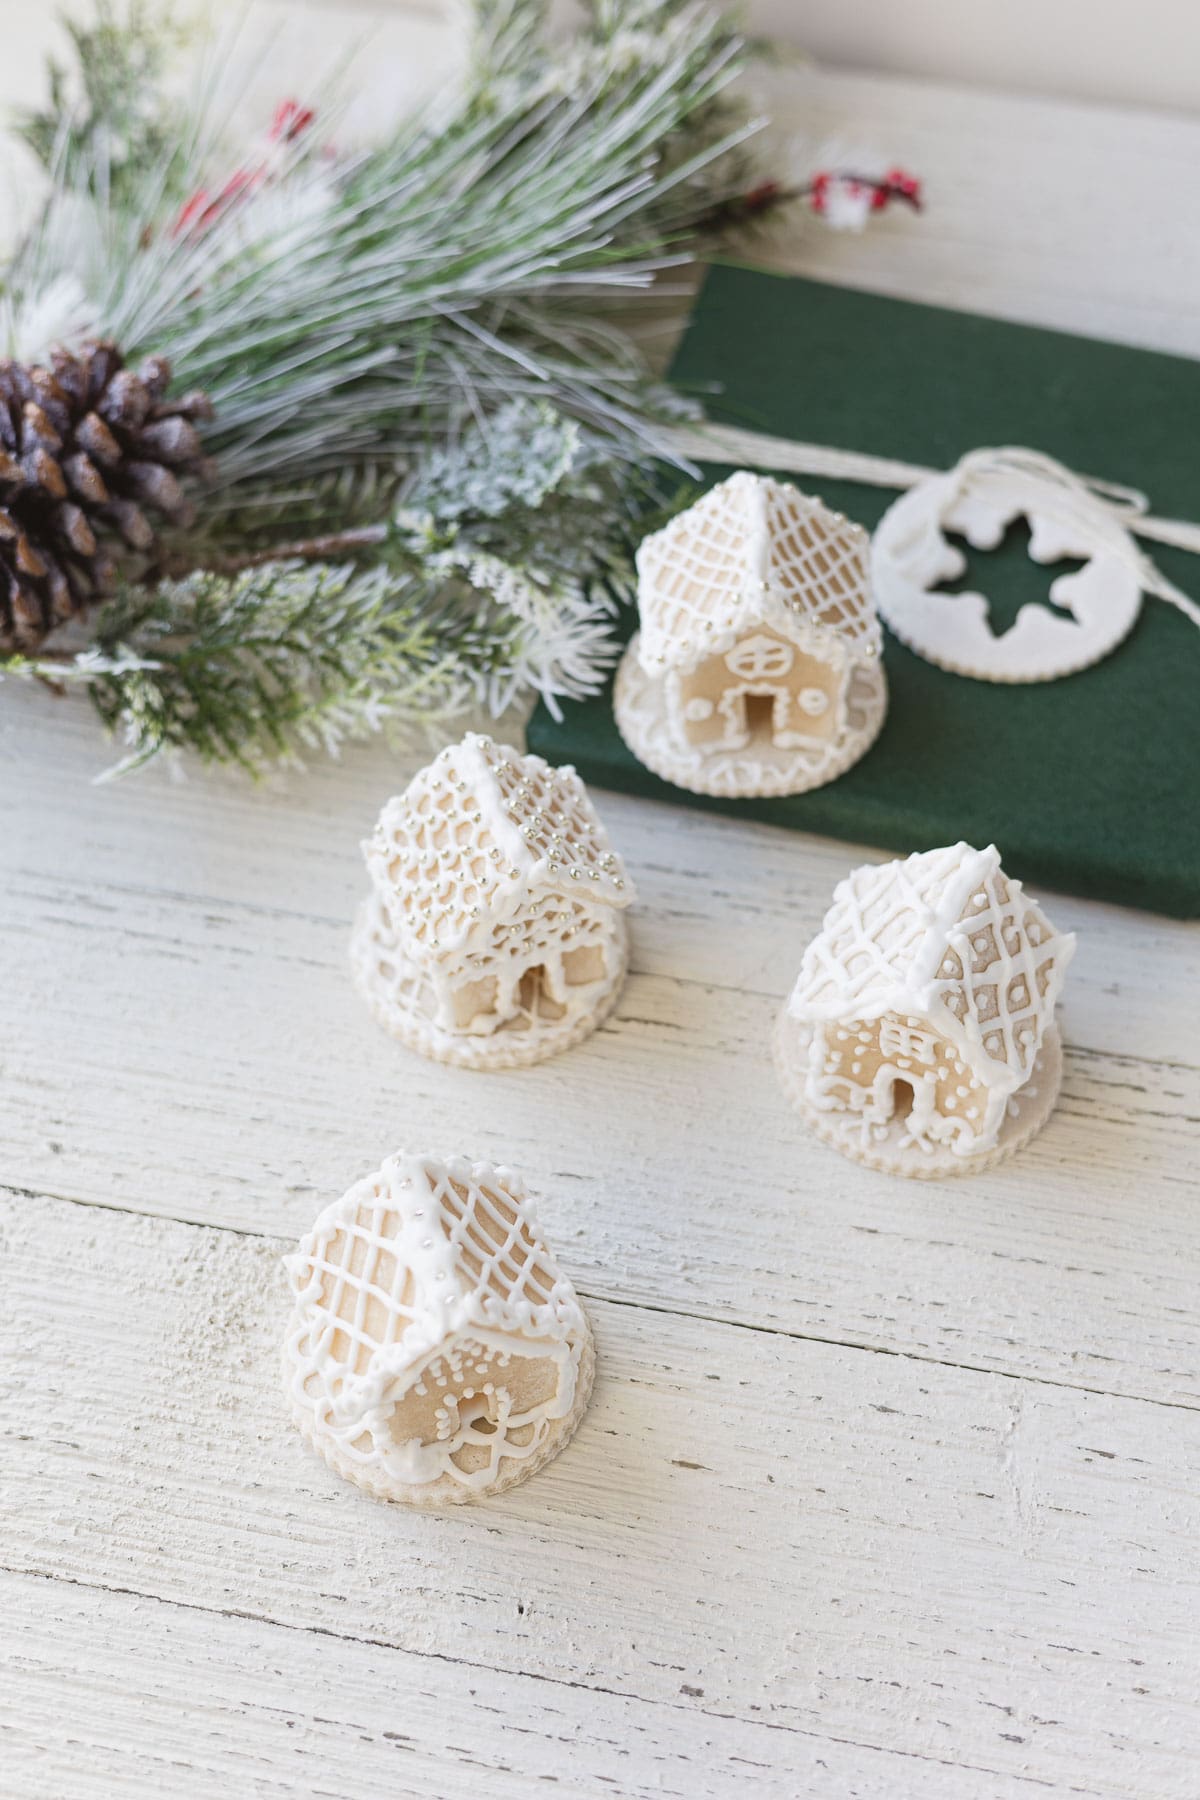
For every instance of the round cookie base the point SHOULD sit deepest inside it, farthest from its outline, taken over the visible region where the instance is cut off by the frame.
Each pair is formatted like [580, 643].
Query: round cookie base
[950, 630]
[760, 771]
[889, 1147]
[927, 646]
[391, 988]
[446, 1490]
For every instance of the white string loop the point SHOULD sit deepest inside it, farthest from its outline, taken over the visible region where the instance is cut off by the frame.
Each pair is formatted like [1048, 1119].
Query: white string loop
[1107, 510]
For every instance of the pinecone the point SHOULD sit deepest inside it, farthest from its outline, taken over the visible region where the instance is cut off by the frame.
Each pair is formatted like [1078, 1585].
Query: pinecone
[88, 449]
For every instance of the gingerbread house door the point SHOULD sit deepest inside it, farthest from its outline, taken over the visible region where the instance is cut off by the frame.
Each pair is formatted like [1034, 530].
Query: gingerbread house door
[780, 693]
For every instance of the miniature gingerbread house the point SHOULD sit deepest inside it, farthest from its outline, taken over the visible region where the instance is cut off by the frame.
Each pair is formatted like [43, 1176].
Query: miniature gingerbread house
[756, 668]
[920, 1035]
[495, 934]
[435, 1351]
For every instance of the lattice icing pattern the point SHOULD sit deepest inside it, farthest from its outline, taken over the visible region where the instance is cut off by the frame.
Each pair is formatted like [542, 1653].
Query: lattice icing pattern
[477, 833]
[436, 1352]
[754, 551]
[936, 972]
[497, 909]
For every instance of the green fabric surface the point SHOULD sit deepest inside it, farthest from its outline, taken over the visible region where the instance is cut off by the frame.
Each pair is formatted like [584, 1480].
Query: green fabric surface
[1087, 784]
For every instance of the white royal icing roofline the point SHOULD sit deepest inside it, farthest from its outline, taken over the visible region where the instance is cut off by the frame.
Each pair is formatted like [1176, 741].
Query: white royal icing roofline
[449, 1306]
[529, 875]
[442, 1309]
[914, 985]
[757, 601]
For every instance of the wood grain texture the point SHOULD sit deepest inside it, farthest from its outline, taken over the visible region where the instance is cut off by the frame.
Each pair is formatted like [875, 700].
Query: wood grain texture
[198, 952]
[173, 1700]
[886, 1490]
[671, 1553]
[1050, 213]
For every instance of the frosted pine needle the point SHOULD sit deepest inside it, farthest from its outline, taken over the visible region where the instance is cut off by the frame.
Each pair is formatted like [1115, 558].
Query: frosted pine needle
[430, 322]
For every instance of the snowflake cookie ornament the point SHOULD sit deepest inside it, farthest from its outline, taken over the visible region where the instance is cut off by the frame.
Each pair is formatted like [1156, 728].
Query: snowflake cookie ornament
[756, 670]
[920, 1037]
[495, 933]
[979, 499]
[435, 1354]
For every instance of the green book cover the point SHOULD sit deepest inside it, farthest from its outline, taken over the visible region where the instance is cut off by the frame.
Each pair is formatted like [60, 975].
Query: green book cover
[1088, 784]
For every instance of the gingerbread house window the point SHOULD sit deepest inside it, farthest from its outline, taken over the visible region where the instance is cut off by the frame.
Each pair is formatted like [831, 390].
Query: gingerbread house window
[899, 1039]
[755, 603]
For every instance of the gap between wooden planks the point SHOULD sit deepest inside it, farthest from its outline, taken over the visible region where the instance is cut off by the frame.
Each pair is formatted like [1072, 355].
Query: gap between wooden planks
[173, 1699]
[164, 1698]
[190, 1045]
[944, 1564]
[883, 1550]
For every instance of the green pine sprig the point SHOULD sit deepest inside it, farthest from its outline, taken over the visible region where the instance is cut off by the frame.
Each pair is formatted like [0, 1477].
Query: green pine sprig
[434, 435]
[105, 118]
[260, 667]
[500, 575]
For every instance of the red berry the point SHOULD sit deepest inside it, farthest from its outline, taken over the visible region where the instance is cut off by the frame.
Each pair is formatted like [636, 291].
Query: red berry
[291, 119]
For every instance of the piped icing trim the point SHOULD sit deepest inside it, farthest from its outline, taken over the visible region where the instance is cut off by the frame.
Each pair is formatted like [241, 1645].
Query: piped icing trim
[947, 936]
[478, 836]
[935, 974]
[428, 1294]
[495, 933]
[754, 551]
[647, 719]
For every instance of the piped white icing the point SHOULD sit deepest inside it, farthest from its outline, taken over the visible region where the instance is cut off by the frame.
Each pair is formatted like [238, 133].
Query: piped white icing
[429, 1281]
[499, 900]
[754, 551]
[756, 668]
[944, 957]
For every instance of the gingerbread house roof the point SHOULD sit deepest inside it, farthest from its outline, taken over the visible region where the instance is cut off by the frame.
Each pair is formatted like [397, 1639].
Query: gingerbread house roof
[946, 936]
[478, 833]
[423, 1250]
[754, 551]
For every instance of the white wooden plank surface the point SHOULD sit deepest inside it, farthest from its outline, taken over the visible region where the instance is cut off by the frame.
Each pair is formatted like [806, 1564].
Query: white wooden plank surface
[887, 1489]
[1055, 213]
[249, 907]
[229, 1706]
[760, 1527]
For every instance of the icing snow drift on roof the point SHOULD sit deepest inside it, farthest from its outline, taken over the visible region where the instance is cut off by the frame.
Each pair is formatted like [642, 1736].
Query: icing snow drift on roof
[948, 936]
[753, 550]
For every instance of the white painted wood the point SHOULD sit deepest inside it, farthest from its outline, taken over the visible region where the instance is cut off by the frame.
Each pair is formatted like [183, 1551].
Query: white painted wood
[1064, 215]
[940, 1538]
[1062, 48]
[204, 977]
[670, 1552]
[172, 1701]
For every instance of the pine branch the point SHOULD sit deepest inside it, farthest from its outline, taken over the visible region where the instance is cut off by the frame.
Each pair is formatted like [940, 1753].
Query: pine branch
[351, 316]
[501, 575]
[412, 354]
[106, 112]
[258, 668]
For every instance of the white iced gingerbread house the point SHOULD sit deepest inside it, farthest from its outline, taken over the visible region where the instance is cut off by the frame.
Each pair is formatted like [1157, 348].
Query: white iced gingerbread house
[755, 605]
[497, 910]
[923, 1007]
[435, 1351]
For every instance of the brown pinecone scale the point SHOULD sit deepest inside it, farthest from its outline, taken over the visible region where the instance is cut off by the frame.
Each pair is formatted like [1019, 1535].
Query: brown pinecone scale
[91, 453]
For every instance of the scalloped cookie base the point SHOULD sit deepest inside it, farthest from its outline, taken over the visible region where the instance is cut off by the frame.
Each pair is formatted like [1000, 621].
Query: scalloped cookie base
[446, 1491]
[764, 772]
[391, 988]
[889, 1148]
[925, 643]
